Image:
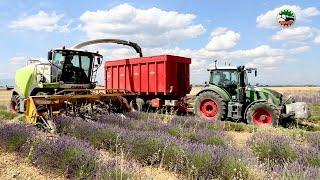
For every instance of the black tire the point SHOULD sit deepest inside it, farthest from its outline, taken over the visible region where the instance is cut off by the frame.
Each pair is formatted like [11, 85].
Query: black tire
[210, 106]
[263, 113]
[137, 104]
[15, 104]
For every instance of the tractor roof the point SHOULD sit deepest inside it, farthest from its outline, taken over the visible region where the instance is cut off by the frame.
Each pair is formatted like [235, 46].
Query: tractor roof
[223, 68]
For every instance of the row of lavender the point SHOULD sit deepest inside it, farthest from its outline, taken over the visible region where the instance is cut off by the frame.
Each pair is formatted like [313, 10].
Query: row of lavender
[65, 155]
[182, 145]
[266, 155]
[158, 148]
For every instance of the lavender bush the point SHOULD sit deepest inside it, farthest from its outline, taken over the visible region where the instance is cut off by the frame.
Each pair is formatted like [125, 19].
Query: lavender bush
[313, 138]
[75, 159]
[308, 156]
[14, 137]
[295, 171]
[188, 122]
[272, 148]
[175, 128]
[67, 155]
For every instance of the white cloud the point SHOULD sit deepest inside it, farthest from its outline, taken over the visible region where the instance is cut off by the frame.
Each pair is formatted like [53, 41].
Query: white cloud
[298, 50]
[298, 34]
[151, 27]
[260, 51]
[41, 21]
[266, 57]
[222, 38]
[18, 60]
[268, 19]
[317, 39]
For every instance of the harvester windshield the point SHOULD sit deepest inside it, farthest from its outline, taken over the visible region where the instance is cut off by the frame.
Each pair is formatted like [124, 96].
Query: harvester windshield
[72, 66]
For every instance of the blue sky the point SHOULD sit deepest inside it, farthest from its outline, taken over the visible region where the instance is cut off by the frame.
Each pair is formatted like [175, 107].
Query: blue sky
[239, 32]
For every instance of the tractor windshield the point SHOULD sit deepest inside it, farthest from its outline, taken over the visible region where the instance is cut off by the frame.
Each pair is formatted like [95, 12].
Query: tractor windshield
[72, 66]
[224, 77]
[227, 79]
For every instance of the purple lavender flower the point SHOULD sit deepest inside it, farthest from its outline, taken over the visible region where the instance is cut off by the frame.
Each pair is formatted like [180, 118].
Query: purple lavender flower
[14, 137]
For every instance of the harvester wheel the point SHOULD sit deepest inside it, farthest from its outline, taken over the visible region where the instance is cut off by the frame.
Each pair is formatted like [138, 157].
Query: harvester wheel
[263, 113]
[15, 104]
[137, 104]
[210, 106]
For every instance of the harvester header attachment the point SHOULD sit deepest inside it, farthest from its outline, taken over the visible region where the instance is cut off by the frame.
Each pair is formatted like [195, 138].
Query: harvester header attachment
[41, 110]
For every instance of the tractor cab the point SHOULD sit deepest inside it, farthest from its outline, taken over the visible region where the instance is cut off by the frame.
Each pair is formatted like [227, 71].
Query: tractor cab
[230, 78]
[69, 66]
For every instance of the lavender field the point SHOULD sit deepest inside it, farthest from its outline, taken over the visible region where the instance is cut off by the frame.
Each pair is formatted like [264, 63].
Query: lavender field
[184, 147]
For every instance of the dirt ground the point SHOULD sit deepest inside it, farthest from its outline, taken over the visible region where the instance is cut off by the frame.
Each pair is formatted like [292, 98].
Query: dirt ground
[13, 167]
[5, 96]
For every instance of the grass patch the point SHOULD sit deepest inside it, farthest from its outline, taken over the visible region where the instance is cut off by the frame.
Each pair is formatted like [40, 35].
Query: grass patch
[315, 113]
[7, 115]
[115, 174]
[3, 107]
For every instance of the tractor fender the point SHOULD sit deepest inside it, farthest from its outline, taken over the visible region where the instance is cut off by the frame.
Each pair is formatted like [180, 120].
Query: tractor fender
[224, 94]
[252, 103]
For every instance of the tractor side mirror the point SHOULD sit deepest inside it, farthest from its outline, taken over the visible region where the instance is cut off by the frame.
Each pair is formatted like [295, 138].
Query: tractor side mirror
[255, 73]
[50, 55]
[99, 60]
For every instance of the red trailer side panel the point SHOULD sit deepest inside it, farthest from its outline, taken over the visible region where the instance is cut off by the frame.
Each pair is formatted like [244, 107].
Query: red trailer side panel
[155, 75]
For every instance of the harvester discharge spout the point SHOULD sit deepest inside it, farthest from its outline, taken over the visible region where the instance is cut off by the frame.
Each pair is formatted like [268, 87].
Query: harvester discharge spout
[135, 46]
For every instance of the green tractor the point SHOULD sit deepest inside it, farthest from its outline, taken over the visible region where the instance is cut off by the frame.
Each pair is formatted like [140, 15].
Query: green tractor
[228, 95]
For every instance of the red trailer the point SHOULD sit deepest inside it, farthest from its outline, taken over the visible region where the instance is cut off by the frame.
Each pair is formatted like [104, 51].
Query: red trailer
[157, 80]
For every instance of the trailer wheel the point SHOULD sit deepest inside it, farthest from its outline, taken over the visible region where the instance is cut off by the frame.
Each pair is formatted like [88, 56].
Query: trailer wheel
[210, 106]
[15, 104]
[137, 104]
[263, 114]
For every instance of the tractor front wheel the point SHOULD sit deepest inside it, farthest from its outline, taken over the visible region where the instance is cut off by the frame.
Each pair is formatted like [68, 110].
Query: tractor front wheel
[263, 114]
[210, 106]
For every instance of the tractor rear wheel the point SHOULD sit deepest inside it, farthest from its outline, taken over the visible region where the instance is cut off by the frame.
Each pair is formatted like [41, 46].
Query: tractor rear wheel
[263, 114]
[210, 106]
[15, 104]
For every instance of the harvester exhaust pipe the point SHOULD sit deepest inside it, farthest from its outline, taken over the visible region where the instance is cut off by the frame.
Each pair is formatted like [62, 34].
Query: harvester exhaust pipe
[135, 46]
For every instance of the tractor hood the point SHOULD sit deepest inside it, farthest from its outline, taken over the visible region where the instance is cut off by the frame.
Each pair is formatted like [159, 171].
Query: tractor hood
[260, 93]
[275, 93]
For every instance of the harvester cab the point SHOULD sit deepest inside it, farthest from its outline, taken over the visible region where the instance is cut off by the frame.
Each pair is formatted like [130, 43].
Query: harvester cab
[72, 68]
[229, 95]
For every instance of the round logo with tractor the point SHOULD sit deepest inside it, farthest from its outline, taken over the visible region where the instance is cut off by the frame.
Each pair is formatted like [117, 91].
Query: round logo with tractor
[286, 18]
